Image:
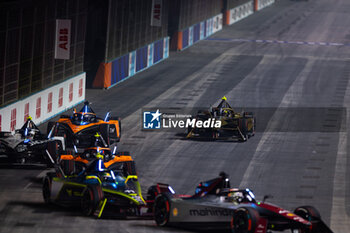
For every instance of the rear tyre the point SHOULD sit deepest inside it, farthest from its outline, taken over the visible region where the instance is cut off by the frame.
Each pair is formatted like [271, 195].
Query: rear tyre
[55, 149]
[47, 183]
[152, 193]
[162, 210]
[215, 135]
[244, 220]
[91, 198]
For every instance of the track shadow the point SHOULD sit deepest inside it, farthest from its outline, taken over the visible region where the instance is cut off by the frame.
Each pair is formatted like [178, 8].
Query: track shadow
[73, 211]
[7, 165]
[182, 136]
[41, 207]
[180, 229]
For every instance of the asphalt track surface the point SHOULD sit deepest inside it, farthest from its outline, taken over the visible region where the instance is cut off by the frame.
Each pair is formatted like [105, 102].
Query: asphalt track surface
[253, 64]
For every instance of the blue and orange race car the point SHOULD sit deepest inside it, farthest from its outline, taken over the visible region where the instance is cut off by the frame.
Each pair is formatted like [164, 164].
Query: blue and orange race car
[80, 128]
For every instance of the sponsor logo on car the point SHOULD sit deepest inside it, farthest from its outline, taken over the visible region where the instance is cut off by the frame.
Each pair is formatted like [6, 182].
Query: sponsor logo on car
[211, 212]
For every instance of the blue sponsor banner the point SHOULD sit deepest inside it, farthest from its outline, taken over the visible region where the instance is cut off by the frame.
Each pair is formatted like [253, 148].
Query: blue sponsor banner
[120, 69]
[136, 61]
[196, 32]
[185, 37]
[158, 51]
[141, 58]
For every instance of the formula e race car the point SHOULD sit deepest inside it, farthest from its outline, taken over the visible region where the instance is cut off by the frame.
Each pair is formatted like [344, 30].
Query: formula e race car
[27, 145]
[80, 128]
[240, 125]
[215, 204]
[101, 188]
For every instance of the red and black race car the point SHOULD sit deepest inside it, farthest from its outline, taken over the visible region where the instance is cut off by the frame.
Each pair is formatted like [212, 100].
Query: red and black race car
[215, 204]
[80, 128]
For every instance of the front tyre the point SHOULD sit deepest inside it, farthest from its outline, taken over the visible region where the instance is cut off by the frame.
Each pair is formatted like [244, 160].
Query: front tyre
[90, 200]
[162, 210]
[309, 213]
[244, 220]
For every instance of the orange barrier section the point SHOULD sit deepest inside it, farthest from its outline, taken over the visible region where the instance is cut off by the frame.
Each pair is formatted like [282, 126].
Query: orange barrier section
[179, 40]
[227, 19]
[103, 76]
[256, 5]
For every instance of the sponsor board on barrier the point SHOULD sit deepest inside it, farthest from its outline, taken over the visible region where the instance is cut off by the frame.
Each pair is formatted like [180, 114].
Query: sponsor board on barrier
[241, 12]
[125, 68]
[44, 104]
[62, 41]
[156, 14]
[217, 23]
[132, 58]
[201, 31]
[190, 36]
[206, 28]
[166, 48]
[264, 3]
[150, 55]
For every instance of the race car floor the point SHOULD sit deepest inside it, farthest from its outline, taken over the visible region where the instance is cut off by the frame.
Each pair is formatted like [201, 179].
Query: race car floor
[293, 55]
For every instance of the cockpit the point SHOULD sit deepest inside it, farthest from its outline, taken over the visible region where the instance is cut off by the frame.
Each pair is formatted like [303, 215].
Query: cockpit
[238, 196]
[83, 118]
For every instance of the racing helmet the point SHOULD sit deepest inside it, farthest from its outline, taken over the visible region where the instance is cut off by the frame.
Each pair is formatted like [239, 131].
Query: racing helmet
[236, 197]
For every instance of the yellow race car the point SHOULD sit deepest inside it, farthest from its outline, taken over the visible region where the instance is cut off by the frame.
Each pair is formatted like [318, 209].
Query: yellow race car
[240, 125]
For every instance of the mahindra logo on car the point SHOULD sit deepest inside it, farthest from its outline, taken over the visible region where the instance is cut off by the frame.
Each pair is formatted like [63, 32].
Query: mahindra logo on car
[211, 212]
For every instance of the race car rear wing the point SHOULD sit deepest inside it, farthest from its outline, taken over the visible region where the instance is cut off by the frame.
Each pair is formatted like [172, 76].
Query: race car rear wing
[164, 188]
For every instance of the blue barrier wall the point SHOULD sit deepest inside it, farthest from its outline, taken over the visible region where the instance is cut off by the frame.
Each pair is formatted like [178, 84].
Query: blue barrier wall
[120, 69]
[199, 31]
[196, 32]
[141, 58]
[158, 51]
[128, 65]
[185, 38]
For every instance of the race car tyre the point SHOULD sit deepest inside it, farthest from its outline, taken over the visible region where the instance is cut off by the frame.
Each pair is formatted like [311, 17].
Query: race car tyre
[162, 210]
[244, 220]
[91, 198]
[152, 193]
[308, 213]
[47, 183]
[215, 135]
